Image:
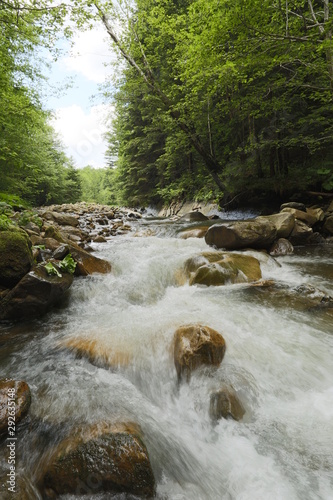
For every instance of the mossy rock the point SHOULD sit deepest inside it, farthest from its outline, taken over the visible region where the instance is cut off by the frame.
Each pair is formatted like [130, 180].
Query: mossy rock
[15, 256]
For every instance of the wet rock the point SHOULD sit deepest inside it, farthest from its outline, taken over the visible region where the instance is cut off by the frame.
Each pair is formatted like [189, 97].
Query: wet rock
[317, 213]
[220, 268]
[34, 294]
[61, 252]
[328, 225]
[198, 232]
[99, 239]
[316, 239]
[194, 346]
[193, 217]
[300, 233]
[15, 256]
[305, 217]
[86, 263]
[100, 458]
[281, 247]
[295, 205]
[225, 404]
[97, 353]
[16, 391]
[284, 223]
[237, 235]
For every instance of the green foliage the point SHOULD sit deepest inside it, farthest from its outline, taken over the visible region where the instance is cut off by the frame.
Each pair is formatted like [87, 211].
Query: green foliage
[29, 216]
[68, 264]
[252, 82]
[5, 222]
[33, 166]
[52, 270]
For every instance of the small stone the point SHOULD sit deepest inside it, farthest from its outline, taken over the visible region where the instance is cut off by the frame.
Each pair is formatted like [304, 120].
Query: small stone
[225, 404]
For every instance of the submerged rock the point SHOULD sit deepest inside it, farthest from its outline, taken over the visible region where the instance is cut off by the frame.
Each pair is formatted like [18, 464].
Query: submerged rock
[197, 232]
[97, 353]
[194, 346]
[193, 216]
[15, 256]
[243, 234]
[225, 403]
[34, 294]
[220, 268]
[100, 458]
[17, 391]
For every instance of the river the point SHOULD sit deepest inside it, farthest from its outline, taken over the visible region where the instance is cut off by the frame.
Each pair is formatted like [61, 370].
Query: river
[278, 359]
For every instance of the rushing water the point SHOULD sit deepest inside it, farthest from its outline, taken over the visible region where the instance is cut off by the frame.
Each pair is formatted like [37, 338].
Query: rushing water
[278, 359]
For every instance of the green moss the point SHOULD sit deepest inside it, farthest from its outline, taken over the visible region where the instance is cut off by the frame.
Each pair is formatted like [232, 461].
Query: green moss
[15, 256]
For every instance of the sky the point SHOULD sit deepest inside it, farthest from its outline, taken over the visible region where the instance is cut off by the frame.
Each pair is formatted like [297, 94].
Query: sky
[79, 117]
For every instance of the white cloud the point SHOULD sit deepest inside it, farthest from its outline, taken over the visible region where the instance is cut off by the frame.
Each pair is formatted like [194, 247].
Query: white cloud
[90, 52]
[82, 133]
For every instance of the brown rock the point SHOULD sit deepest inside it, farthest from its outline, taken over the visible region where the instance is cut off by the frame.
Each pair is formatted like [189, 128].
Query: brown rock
[220, 268]
[293, 204]
[281, 247]
[305, 217]
[197, 345]
[284, 223]
[97, 353]
[300, 233]
[99, 239]
[198, 232]
[328, 226]
[225, 403]
[100, 458]
[61, 218]
[13, 391]
[87, 263]
[193, 216]
[243, 234]
[317, 213]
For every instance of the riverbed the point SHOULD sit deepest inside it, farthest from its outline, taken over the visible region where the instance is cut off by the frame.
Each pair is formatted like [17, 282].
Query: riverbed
[278, 360]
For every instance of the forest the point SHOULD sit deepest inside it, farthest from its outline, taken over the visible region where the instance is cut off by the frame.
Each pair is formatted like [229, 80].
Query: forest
[215, 100]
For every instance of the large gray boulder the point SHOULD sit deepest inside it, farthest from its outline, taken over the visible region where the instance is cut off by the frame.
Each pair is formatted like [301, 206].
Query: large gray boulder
[244, 234]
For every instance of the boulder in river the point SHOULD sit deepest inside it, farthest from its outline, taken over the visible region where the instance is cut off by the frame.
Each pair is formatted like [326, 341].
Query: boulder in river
[328, 225]
[294, 204]
[34, 294]
[309, 218]
[284, 223]
[61, 218]
[221, 268]
[196, 232]
[100, 458]
[301, 233]
[194, 346]
[194, 216]
[225, 403]
[16, 391]
[281, 247]
[97, 352]
[242, 234]
[87, 263]
[15, 256]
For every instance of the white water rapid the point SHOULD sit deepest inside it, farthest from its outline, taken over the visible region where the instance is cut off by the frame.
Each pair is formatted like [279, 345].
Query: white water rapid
[278, 359]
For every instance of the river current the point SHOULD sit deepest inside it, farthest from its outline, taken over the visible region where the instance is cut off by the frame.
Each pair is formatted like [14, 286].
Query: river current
[278, 359]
